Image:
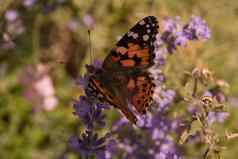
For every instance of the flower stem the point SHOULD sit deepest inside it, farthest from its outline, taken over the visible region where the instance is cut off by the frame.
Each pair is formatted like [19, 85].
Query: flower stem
[195, 87]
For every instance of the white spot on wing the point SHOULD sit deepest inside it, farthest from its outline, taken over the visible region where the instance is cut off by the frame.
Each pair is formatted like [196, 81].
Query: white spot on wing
[146, 37]
[147, 25]
[142, 22]
[130, 33]
[148, 30]
[135, 35]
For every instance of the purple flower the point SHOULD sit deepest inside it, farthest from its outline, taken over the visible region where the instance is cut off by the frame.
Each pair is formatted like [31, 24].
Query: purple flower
[11, 15]
[90, 112]
[171, 25]
[181, 39]
[29, 3]
[196, 29]
[151, 142]
[169, 40]
[167, 150]
[145, 121]
[89, 144]
[88, 21]
[217, 117]
[175, 34]
[164, 97]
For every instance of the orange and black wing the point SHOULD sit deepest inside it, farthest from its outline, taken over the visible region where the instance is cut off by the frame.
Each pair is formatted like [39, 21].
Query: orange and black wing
[136, 48]
[141, 88]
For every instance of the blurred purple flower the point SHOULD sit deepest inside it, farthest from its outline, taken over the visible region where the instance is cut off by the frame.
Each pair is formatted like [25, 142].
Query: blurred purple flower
[217, 117]
[29, 3]
[13, 27]
[11, 15]
[88, 21]
[38, 87]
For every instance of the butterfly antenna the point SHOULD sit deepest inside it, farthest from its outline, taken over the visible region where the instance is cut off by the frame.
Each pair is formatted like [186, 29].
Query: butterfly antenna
[90, 46]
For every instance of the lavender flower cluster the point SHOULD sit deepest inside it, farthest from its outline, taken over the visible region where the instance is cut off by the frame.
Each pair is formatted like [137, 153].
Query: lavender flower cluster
[152, 137]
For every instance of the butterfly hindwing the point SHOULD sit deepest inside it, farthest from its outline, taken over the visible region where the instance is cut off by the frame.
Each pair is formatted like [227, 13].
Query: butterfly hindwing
[100, 91]
[136, 48]
[141, 92]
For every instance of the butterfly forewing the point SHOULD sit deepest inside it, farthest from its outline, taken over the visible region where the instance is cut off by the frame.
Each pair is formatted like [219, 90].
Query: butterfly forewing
[136, 48]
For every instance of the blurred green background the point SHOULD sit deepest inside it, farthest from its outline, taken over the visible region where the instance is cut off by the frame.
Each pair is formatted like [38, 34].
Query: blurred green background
[55, 34]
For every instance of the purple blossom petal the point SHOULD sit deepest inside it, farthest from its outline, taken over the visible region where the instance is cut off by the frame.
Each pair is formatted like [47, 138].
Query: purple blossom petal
[89, 112]
[88, 21]
[29, 3]
[11, 15]
[196, 29]
[181, 39]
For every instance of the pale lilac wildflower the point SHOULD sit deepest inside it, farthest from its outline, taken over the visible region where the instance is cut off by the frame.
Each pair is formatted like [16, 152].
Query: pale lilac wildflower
[29, 3]
[88, 21]
[11, 15]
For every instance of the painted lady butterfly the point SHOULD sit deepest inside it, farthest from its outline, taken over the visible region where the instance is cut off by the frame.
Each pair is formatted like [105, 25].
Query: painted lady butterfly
[124, 76]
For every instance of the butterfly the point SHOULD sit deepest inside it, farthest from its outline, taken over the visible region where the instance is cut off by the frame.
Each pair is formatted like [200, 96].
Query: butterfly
[124, 79]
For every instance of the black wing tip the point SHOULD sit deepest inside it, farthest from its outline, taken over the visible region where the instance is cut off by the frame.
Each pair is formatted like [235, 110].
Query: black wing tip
[152, 19]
